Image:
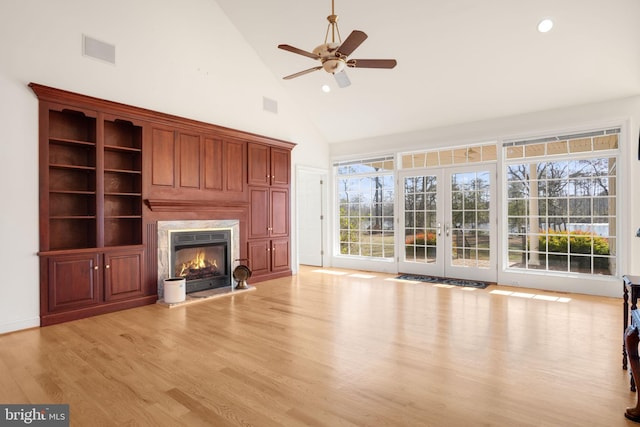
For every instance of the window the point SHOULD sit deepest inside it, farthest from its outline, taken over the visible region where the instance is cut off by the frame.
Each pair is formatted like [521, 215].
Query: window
[449, 156]
[561, 203]
[365, 191]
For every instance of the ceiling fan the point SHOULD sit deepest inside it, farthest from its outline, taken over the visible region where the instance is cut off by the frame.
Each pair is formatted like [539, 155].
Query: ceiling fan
[333, 55]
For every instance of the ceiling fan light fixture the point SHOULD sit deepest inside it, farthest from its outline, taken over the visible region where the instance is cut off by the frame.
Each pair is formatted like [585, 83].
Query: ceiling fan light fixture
[334, 66]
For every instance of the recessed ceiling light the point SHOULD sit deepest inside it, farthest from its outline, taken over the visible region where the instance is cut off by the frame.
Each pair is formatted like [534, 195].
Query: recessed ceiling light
[545, 25]
[326, 88]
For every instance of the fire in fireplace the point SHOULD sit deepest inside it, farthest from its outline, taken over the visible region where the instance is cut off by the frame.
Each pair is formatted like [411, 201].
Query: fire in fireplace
[201, 257]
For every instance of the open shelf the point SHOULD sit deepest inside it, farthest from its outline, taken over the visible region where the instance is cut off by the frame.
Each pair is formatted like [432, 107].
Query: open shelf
[123, 160]
[119, 205]
[72, 153]
[122, 134]
[72, 233]
[71, 179]
[72, 125]
[122, 231]
[72, 204]
[122, 182]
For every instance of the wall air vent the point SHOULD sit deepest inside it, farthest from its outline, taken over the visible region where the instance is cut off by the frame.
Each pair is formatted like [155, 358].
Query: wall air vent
[99, 50]
[270, 105]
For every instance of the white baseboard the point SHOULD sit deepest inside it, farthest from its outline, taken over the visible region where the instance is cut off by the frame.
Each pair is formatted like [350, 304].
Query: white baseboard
[19, 325]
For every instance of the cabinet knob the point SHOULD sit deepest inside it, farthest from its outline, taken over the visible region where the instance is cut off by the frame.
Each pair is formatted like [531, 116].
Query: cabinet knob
[107, 266]
[96, 267]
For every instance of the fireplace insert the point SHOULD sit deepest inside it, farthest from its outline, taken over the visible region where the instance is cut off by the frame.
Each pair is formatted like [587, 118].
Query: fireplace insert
[202, 257]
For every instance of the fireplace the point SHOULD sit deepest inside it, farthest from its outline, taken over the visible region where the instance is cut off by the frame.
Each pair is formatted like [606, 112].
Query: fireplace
[213, 237]
[201, 257]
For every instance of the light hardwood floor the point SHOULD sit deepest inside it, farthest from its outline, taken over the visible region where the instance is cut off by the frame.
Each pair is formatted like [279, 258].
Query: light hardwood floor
[321, 349]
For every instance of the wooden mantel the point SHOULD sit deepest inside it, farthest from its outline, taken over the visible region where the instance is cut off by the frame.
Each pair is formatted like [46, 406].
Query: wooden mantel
[172, 205]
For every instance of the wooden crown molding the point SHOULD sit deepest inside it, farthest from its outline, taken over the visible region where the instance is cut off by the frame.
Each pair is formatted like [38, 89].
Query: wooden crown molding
[47, 93]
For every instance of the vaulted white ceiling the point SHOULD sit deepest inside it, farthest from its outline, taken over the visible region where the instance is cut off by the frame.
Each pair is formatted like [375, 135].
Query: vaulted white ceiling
[458, 60]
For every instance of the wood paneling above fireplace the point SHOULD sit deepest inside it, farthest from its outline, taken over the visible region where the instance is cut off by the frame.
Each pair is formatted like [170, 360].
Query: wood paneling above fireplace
[110, 171]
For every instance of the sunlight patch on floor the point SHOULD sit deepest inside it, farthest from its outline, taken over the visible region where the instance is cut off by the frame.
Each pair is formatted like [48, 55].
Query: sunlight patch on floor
[393, 279]
[335, 273]
[362, 276]
[343, 273]
[531, 296]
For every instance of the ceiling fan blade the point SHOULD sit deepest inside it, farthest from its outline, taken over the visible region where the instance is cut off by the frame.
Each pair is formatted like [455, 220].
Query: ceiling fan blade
[352, 42]
[298, 51]
[301, 73]
[372, 63]
[342, 79]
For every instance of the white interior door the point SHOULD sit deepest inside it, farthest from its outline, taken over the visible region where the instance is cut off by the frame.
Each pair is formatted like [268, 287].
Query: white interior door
[311, 202]
[449, 221]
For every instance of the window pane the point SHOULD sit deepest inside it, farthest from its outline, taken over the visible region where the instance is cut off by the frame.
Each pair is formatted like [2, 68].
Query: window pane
[365, 193]
[575, 212]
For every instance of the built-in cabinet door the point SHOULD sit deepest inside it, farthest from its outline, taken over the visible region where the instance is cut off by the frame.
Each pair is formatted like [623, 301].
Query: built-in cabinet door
[268, 165]
[280, 255]
[80, 280]
[258, 157]
[279, 212]
[269, 256]
[123, 274]
[269, 212]
[280, 167]
[259, 222]
[259, 256]
[73, 281]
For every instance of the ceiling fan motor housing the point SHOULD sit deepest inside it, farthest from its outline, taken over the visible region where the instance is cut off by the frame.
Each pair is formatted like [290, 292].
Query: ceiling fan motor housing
[331, 60]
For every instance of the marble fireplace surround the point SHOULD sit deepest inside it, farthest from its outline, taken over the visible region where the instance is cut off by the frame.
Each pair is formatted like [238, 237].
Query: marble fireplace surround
[192, 225]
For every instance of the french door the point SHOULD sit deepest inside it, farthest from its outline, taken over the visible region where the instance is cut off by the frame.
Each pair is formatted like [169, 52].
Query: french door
[448, 219]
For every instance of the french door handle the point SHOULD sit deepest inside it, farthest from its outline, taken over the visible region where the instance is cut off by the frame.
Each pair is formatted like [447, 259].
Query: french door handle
[446, 229]
[439, 229]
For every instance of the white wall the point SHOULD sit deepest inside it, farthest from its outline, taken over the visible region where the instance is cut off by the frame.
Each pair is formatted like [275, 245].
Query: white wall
[180, 57]
[625, 112]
